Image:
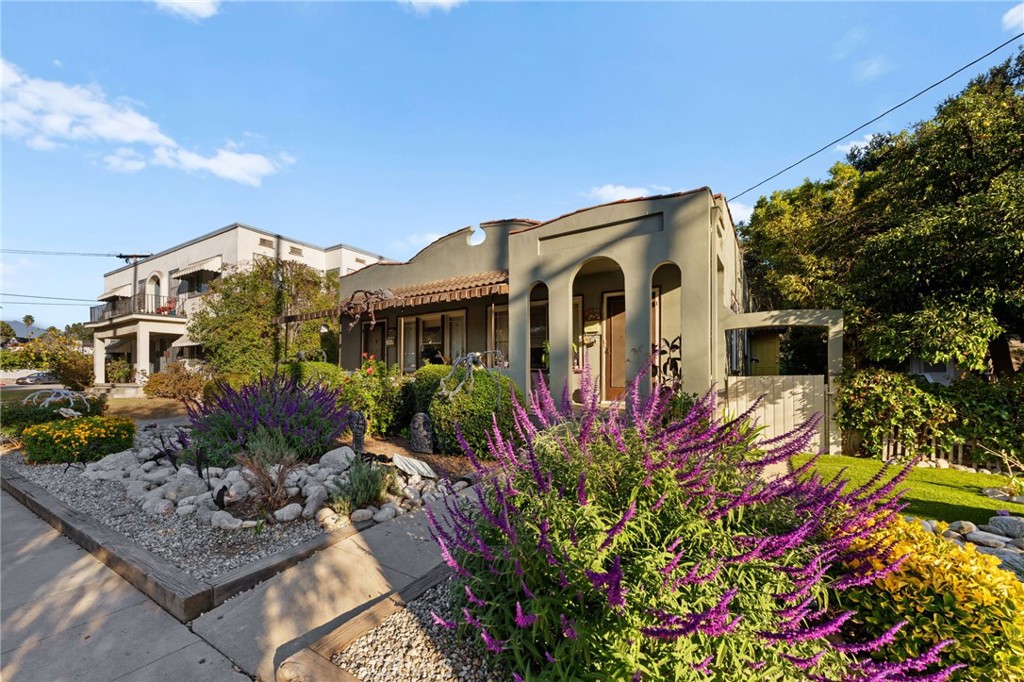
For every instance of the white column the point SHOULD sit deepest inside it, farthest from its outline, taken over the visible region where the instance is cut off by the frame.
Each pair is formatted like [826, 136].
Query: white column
[141, 352]
[99, 355]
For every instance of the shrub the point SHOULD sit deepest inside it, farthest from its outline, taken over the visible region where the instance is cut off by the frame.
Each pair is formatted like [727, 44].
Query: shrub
[376, 390]
[880, 404]
[307, 415]
[82, 439]
[424, 385]
[176, 381]
[16, 359]
[211, 389]
[119, 371]
[270, 482]
[987, 412]
[319, 372]
[17, 416]
[73, 370]
[367, 483]
[944, 591]
[472, 408]
[613, 547]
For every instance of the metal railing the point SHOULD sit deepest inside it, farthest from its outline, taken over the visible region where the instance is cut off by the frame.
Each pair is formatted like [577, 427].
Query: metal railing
[140, 304]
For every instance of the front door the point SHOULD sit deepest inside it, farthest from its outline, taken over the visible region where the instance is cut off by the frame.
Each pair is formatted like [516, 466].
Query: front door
[614, 346]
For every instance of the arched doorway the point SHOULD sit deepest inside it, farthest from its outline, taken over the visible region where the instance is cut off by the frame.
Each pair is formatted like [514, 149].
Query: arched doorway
[538, 356]
[599, 324]
[666, 324]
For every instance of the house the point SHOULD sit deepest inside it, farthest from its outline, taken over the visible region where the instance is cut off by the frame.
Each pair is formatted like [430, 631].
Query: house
[147, 303]
[599, 287]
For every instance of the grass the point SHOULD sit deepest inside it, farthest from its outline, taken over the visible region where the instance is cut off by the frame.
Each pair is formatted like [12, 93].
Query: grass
[145, 408]
[943, 494]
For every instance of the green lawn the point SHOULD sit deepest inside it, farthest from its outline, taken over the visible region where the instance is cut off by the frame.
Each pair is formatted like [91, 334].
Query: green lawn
[943, 494]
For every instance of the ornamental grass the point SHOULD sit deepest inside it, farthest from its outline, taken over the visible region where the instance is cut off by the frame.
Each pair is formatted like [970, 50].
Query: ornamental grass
[620, 545]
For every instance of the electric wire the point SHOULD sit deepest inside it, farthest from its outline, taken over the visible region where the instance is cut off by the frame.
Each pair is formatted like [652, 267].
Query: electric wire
[881, 115]
[52, 298]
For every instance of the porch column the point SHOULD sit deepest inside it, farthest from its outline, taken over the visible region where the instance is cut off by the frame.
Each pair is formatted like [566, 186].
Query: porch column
[638, 324]
[559, 334]
[99, 355]
[141, 352]
[519, 334]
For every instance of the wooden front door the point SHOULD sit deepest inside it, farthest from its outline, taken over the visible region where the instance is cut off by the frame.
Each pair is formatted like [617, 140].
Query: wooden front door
[614, 346]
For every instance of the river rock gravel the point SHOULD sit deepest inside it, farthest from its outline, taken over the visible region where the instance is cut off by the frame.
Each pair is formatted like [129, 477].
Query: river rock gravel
[409, 647]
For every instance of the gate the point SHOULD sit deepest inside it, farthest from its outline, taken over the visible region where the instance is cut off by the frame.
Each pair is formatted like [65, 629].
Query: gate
[787, 402]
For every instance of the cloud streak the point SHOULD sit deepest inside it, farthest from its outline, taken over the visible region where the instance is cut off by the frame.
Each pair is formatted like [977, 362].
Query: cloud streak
[847, 147]
[48, 114]
[609, 193]
[1013, 20]
[428, 6]
[193, 10]
[871, 68]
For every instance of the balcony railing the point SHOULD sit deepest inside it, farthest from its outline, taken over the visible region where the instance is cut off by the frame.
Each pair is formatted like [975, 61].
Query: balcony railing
[140, 304]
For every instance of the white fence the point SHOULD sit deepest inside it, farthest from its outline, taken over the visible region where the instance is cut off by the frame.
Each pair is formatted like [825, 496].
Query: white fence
[787, 402]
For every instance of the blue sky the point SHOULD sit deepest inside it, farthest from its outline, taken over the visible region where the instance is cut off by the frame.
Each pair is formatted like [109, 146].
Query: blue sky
[133, 126]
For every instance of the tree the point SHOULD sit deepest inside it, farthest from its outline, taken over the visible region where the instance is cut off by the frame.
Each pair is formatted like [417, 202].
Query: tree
[62, 355]
[79, 331]
[235, 324]
[28, 321]
[6, 331]
[919, 238]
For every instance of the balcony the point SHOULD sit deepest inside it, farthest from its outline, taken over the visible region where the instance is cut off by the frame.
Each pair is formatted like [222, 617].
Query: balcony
[140, 304]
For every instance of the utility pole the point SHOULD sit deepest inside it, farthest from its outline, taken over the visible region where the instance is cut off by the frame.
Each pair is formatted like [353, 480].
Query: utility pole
[134, 259]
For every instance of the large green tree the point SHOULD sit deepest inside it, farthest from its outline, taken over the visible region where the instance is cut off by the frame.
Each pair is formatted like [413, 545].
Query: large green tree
[236, 323]
[919, 238]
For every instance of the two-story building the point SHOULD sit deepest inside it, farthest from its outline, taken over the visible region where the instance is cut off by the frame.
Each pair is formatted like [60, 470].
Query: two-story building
[147, 303]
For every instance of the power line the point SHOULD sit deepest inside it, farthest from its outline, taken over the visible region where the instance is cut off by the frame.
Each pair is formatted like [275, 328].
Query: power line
[883, 114]
[126, 257]
[52, 298]
[35, 303]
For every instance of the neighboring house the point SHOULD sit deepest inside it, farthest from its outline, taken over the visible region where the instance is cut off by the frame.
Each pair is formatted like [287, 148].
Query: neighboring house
[600, 286]
[146, 304]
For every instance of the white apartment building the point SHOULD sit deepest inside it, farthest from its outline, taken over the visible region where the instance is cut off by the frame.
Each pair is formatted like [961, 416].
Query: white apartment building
[147, 303]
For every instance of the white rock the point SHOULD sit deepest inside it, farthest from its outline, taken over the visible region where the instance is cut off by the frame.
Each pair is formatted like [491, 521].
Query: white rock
[149, 466]
[413, 466]
[239, 488]
[941, 464]
[386, 513]
[158, 475]
[225, 521]
[315, 498]
[184, 485]
[185, 509]
[459, 485]
[360, 515]
[212, 472]
[323, 475]
[118, 460]
[338, 459]
[233, 475]
[158, 506]
[136, 490]
[324, 513]
[249, 524]
[411, 493]
[292, 490]
[288, 513]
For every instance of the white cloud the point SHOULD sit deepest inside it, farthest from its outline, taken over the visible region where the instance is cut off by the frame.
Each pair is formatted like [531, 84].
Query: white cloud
[193, 10]
[847, 147]
[124, 160]
[871, 68]
[1013, 20]
[48, 113]
[740, 212]
[58, 63]
[664, 189]
[845, 46]
[412, 243]
[609, 193]
[427, 6]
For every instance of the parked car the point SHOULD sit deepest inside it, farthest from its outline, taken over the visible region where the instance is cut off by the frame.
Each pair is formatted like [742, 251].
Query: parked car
[37, 378]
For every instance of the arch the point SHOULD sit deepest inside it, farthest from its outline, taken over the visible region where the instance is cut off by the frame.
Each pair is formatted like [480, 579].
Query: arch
[599, 324]
[153, 287]
[538, 356]
[667, 321]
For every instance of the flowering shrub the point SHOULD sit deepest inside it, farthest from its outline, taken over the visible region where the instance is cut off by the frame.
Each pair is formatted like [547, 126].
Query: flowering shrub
[473, 408]
[944, 591]
[17, 416]
[83, 439]
[613, 547]
[376, 391]
[880, 404]
[307, 415]
[177, 382]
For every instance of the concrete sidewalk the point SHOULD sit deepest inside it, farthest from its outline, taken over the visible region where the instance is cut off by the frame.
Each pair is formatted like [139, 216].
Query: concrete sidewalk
[65, 616]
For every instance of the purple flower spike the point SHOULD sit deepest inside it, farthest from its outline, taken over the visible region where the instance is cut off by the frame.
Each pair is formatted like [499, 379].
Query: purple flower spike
[446, 624]
[617, 528]
[524, 620]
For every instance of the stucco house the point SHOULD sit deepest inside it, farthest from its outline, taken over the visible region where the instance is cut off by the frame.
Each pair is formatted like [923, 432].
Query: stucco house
[600, 286]
[147, 303]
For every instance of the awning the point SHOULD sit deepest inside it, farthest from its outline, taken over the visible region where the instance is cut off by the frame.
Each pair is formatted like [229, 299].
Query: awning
[118, 346]
[466, 287]
[183, 341]
[123, 291]
[209, 265]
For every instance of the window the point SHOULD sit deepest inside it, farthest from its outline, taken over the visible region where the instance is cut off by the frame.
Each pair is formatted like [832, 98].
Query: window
[431, 344]
[361, 261]
[538, 335]
[295, 251]
[431, 339]
[268, 243]
[497, 335]
[408, 344]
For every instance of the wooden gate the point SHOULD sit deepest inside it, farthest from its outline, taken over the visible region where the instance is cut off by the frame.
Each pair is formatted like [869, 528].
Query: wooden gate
[787, 402]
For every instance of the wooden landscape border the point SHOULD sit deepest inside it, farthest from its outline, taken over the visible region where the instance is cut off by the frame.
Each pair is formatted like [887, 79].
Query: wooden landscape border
[313, 664]
[180, 594]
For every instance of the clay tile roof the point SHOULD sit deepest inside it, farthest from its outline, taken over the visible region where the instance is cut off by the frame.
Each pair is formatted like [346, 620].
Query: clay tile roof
[452, 284]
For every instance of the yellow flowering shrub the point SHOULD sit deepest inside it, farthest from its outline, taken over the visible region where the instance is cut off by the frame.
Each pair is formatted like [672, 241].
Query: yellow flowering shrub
[82, 439]
[945, 591]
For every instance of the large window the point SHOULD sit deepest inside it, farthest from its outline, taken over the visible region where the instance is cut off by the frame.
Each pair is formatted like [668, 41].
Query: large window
[432, 339]
[497, 335]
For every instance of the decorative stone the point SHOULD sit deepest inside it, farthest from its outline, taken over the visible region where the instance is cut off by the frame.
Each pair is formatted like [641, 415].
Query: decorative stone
[1016, 542]
[421, 433]
[212, 472]
[459, 485]
[119, 461]
[1010, 526]
[292, 490]
[952, 535]
[136, 490]
[411, 492]
[249, 524]
[360, 515]
[288, 513]
[158, 506]
[358, 428]
[338, 459]
[158, 475]
[412, 466]
[239, 489]
[387, 512]
[980, 537]
[963, 527]
[149, 466]
[122, 511]
[1011, 561]
[184, 485]
[185, 509]
[225, 521]
[315, 498]
[323, 514]
[941, 464]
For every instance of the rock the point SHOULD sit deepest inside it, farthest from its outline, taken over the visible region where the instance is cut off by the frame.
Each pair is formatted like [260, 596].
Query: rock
[387, 512]
[185, 509]
[158, 475]
[338, 459]
[292, 490]
[233, 475]
[158, 506]
[421, 433]
[212, 472]
[184, 485]
[324, 513]
[360, 515]
[412, 466]
[119, 461]
[1010, 526]
[411, 493]
[980, 537]
[995, 493]
[149, 466]
[323, 475]
[963, 527]
[1011, 561]
[357, 425]
[288, 513]
[462, 485]
[249, 524]
[136, 490]
[225, 521]
[941, 464]
[985, 471]
[952, 535]
[122, 511]
[205, 515]
[239, 489]
[315, 497]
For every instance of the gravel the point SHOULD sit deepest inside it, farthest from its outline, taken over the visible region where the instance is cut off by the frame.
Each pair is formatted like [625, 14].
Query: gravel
[195, 547]
[410, 647]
